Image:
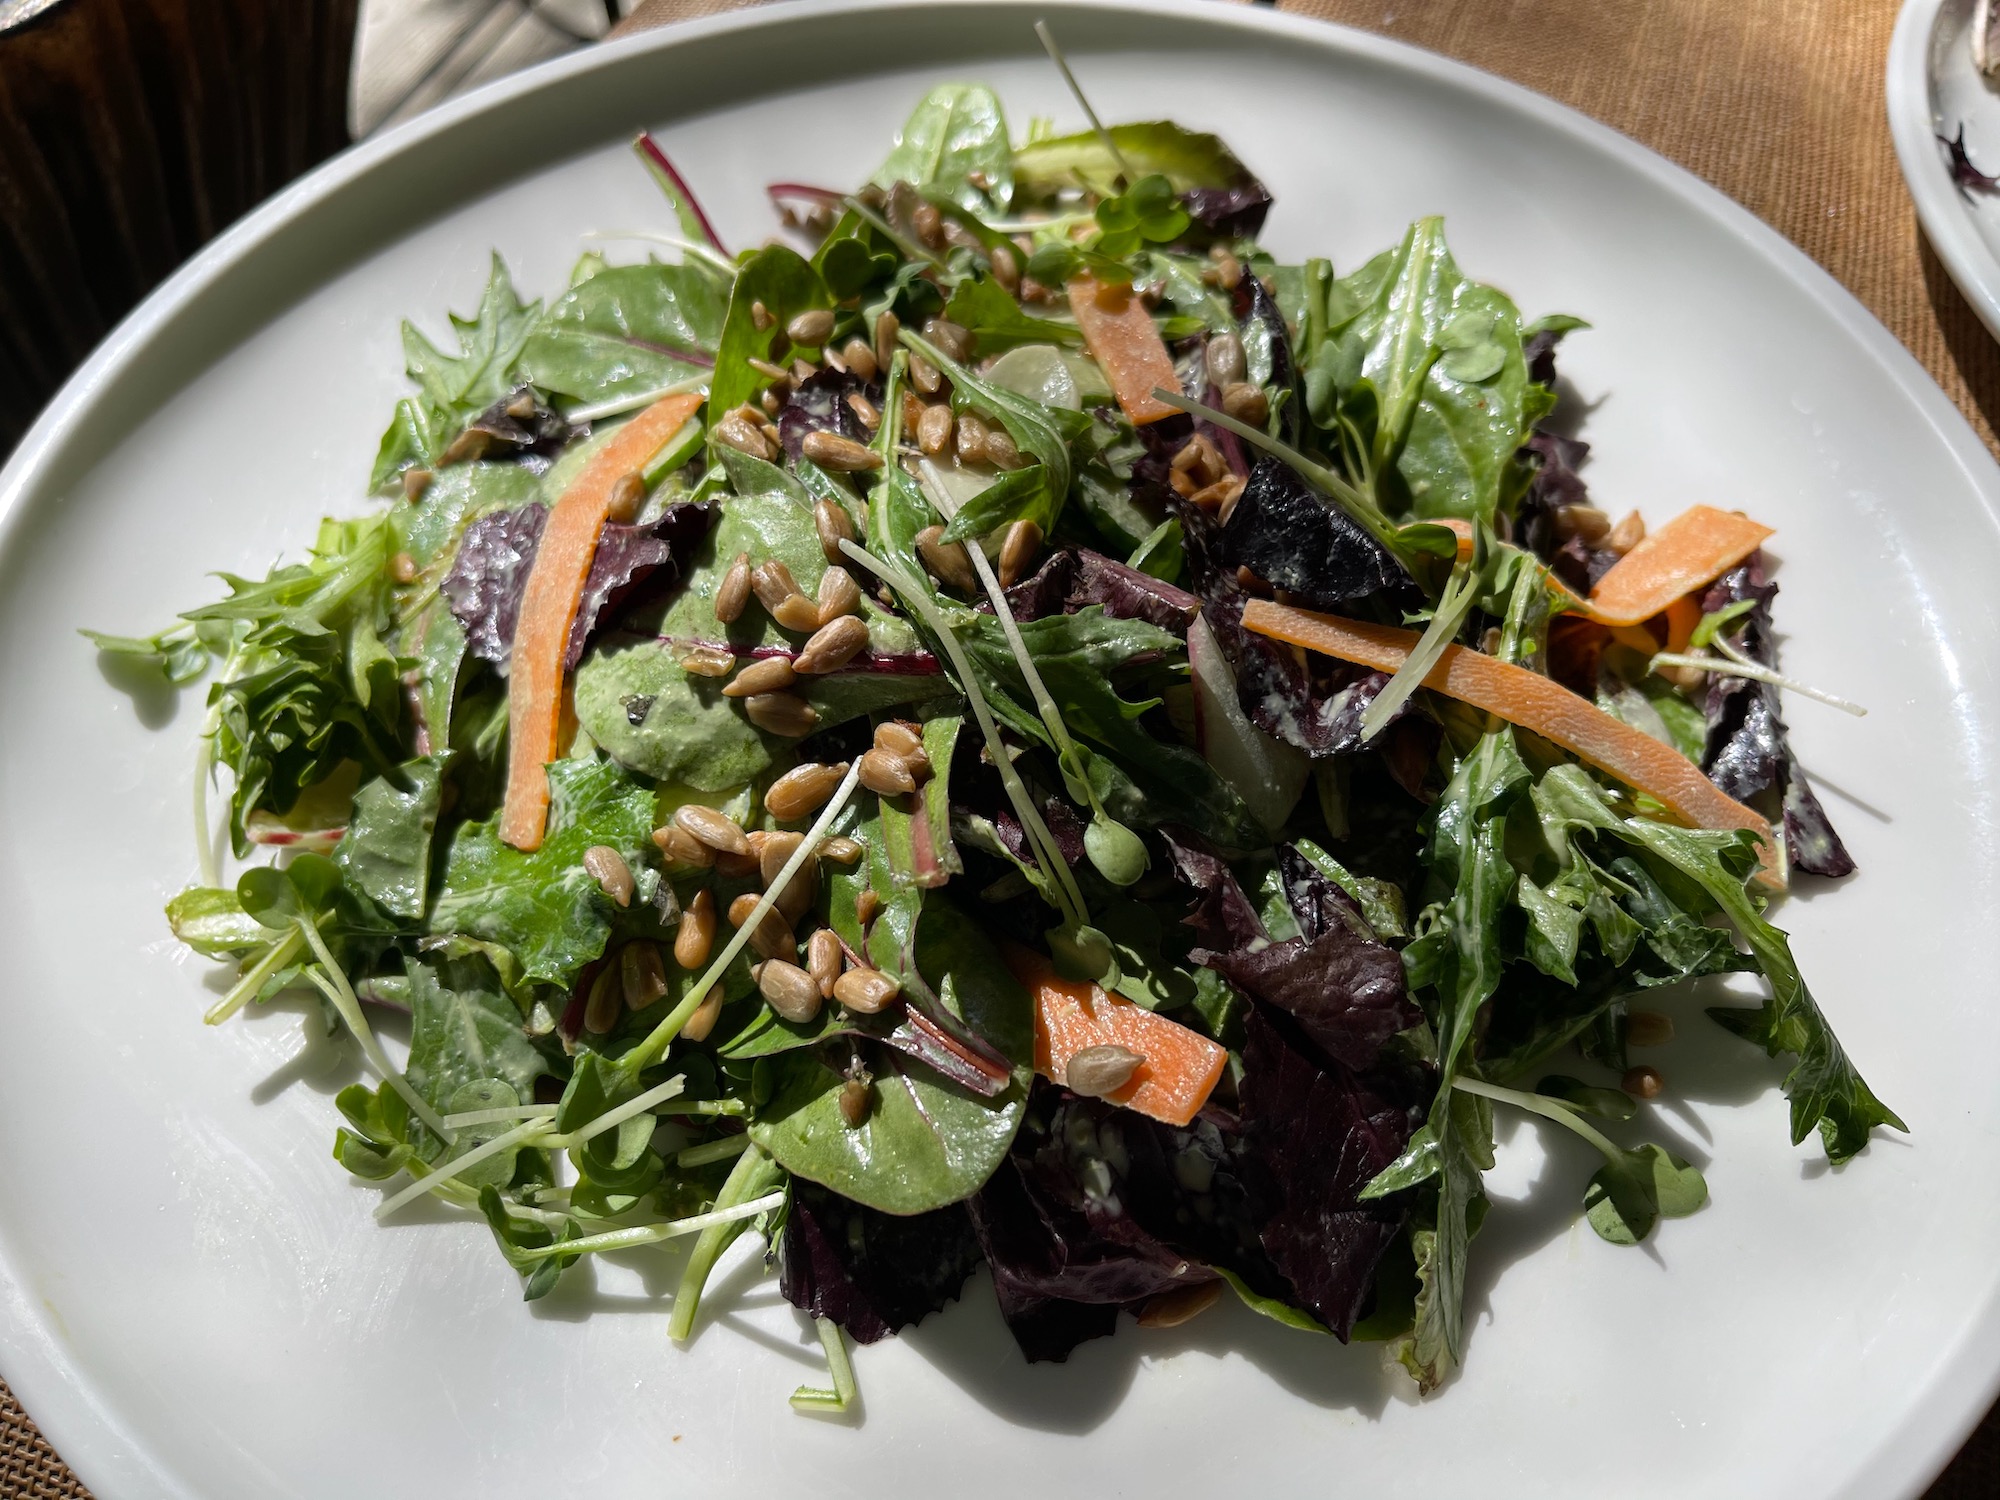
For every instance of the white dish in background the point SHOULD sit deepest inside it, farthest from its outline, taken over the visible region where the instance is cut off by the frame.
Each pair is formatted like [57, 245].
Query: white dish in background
[195, 1301]
[1933, 89]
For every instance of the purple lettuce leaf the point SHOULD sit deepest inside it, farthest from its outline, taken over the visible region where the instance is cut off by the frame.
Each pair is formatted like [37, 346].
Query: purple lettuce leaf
[489, 575]
[632, 563]
[820, 405]
[521, 426]
[1581, 565]
[1293, 539]
[1314, 1136]
[1235, 212]
[1539, 354]
[1222, 915]
[1316, 704]
[1147, 1185]
[1344, 989]
[1967, 178]
[1554, 485]
[1059, 1282]
[1748, 754]
[1257, 311]
[871, 1272]
[1076, 578]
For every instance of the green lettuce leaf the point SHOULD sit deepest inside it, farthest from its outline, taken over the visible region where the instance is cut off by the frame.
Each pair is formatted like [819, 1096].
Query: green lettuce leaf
[626, 331]
[544, 906]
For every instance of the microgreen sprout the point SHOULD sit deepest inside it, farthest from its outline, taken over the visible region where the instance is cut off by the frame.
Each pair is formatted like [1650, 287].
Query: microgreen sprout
[1047, 852]
[1055, 52]
[1116, 851]
[1733, 663]
[1633, 1189]
[840, 1375]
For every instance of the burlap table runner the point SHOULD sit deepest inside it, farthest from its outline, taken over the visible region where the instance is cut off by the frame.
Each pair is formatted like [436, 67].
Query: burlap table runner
[1776, 102]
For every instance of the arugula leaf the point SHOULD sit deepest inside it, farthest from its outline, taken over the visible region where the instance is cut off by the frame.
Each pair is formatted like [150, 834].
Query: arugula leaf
[1824, 1089]
[464, 383]
[626, 331]
[178, 653]
[313, 684]
[1424, 369]
[1018, 495]
[544, 906]
[1470, 418]
[416, 438]
[1139, 779]
[955, 144]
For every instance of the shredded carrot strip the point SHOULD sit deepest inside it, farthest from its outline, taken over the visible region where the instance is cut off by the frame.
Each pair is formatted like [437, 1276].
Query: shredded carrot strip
[1690, 552]
[1180, 1069]
[548, 609]
[1118, 330]
[1530, 700]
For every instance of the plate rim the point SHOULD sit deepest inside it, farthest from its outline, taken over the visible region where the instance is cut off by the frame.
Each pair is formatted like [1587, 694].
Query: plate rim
[1913, 130]
[1960, 1387]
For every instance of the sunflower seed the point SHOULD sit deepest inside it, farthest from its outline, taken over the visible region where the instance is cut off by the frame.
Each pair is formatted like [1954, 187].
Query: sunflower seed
[885, 775]
[802, 791]
[642, 975]
[841, 454]
[716, 829]
[695, 938]
[865, 990]
[768, 675]
[810, 329]
[773, 583]
[1096, 1072]
[834, 645]
[788, 989]
[783, 714]
[607, 867]
[734, 591]
[838, 595]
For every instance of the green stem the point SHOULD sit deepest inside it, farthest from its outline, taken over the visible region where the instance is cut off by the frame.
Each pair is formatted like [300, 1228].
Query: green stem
[1547, 1108]
[709, 1152]
[839, 1371]
[652, 1234]
[754, 1175]
[1452, 608]
[275, 958]
[531, 1131]
[1048, 40]
[1045, 703]
[333, 984]
[1049, 854]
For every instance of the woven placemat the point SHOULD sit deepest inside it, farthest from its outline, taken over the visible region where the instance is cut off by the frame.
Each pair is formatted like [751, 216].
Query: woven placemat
[1776, 102]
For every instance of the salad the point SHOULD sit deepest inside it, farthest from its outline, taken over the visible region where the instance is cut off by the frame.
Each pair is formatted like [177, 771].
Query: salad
[1013, 729]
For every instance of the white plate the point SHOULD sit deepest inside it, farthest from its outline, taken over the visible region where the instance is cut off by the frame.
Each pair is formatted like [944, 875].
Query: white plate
[1933, 88]
[197, 1302]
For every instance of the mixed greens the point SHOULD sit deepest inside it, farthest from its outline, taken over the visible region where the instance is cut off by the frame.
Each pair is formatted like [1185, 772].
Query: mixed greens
[946, 862]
